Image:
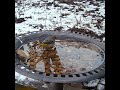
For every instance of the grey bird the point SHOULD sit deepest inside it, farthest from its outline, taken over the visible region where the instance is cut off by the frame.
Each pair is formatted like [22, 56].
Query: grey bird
[49, 41]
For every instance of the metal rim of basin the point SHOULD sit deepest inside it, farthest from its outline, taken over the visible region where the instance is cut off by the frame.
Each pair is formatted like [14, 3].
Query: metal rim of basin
[71, 78]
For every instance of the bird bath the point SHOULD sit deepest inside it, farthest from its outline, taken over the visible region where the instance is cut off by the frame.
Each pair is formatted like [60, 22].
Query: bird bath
[81, 56]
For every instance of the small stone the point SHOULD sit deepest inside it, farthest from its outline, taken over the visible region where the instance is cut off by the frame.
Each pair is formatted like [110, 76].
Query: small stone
[40, 66]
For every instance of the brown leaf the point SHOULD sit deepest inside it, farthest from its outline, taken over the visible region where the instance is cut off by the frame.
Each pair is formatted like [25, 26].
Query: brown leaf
[47, 66]
[32, 67]
[59, 69]
[56, 62]
[58, 73]
[39, 59]
[51, 55]
[22, 54]
[61, 72]
[32, 63]
[48, 71]
[46, 52]
[57, 59]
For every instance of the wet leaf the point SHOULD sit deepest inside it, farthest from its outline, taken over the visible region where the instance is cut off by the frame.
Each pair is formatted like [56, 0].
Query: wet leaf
[22, 54]
[57, 73]
[32, 67]
[32, 63]
[59, 69]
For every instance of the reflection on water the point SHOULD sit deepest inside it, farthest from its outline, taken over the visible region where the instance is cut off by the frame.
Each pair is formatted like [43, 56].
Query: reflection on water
[79, 56]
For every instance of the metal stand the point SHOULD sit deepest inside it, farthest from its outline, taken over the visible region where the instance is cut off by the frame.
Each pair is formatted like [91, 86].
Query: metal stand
[57, 86]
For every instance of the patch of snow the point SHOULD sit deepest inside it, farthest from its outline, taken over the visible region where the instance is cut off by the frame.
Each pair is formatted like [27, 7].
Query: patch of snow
[102, 81]
[92, 83]
[50, 18]
[22, 78]
[100, 87]
[45, 86]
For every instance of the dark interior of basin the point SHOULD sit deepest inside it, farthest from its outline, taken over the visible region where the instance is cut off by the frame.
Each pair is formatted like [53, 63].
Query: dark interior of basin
[76, 56]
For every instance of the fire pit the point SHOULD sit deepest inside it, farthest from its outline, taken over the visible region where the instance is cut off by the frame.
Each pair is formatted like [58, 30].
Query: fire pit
[81, 56]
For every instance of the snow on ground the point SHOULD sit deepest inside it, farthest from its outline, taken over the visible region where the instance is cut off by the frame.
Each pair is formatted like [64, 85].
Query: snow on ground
[44, 15]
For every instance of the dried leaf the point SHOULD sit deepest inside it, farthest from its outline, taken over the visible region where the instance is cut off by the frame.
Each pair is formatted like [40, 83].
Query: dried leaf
[22, 54]
[39, 59]
[57, 59]
[61, 72]
[46, 52]
[47, 66]
[33, 67]
[48, 71]
[59, 69]
[58, 73]
[56, 63]
[32, 63]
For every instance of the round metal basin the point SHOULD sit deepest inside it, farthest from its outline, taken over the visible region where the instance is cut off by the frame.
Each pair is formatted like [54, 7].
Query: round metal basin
[83, 54]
